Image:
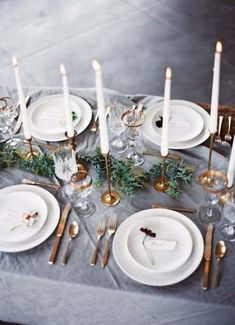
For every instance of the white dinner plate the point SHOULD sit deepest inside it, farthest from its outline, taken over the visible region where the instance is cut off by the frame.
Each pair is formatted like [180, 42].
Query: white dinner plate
[46, 230]
[151, 135]
[184, 123]
[86, 115]
[148, 277]
[13, 206]
[157, 258]
[47, 115]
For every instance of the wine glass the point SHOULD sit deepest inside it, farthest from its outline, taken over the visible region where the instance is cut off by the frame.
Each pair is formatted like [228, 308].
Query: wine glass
[214, 182]
[65, 166]
[119, 144]
[8, 114]
[227, 230]
[133, 119]
[82, 188]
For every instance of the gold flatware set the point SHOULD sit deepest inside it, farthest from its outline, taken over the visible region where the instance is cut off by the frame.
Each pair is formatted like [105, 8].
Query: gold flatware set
[220, 251]
[100, 232]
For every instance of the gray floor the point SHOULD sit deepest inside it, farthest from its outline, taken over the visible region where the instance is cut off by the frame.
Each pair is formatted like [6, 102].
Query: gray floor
[133, 39]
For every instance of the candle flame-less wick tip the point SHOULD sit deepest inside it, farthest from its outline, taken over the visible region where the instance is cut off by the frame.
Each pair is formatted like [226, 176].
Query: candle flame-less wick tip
[62, 69]
[219, 47]
[168, 73]
[96, 66]
[14, 61]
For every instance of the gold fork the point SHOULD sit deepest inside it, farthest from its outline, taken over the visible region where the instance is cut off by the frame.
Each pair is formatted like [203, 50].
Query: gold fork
[100, 233]
[111, 231]
[228, 136]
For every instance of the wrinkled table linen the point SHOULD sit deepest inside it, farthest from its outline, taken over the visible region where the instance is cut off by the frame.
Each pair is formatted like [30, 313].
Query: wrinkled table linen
[33, 292]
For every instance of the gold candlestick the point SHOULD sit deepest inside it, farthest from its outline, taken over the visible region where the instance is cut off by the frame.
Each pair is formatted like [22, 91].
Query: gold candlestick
[109, 198]
[31, 152]
[161, 184]
[205, 178]
[82, 168]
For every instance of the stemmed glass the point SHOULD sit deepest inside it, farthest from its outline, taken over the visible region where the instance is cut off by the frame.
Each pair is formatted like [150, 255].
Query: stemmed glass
[8, 114]
[82, 188]
[133, 119]
[214, 182]
[119, 144]
[65, 166]
[227, 230]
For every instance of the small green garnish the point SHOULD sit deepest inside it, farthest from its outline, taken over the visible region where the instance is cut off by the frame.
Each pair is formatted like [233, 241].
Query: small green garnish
[74, 115]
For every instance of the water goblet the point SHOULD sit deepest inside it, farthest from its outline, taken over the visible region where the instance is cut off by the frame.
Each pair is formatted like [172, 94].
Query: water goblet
[227, 230]
[82, 188]
[119, 144]
[133, 119]
[214, 182]
[65, 166]
[8, 114]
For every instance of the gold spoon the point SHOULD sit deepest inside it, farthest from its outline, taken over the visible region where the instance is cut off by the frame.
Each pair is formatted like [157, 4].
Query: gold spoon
[220, 250]
[73, 231]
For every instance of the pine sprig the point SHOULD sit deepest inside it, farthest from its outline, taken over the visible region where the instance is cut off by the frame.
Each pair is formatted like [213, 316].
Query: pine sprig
[123, 175]
[177, 172]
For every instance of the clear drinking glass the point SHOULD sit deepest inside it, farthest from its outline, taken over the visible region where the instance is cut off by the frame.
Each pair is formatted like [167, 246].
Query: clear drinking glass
[227, 230]
[119, 144]
[82, 188]
[65, 167]
[133, 119]
[214, 183]
[8, 114]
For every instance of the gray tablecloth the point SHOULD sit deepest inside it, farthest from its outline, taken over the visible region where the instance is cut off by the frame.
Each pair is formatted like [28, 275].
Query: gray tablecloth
[33, 292]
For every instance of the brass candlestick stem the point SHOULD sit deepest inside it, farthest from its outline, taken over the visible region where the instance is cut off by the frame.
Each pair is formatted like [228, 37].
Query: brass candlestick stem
[31, 153]
[109, 198]
[161, 184]
[82, 168]
[210, 152]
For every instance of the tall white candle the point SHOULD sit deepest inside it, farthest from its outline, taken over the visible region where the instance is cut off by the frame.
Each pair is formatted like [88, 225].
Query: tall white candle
[215, 89]
[166, 114]
[104, 137]
[67, 108]
[23, 109]
[231, 166]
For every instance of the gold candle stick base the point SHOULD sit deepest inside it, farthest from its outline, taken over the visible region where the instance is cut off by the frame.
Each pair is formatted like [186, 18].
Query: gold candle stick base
[110, 199]
[32, 153]
[161, 184]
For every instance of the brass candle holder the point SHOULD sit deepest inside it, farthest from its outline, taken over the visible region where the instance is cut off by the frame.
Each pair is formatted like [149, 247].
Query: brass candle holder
[161, 184]
[205, 178]
[82, 168]
[32, 153]
[109, 198]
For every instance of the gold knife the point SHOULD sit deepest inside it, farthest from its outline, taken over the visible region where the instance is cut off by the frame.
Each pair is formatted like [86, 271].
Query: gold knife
[207, 256]
[59, 233]
[188, 210]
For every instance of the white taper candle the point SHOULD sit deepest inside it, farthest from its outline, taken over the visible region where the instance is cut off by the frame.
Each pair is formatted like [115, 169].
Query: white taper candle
[215, 89]
[23, 109]
[104, 137]
[67, 107]
[166, 114]
[231, 166]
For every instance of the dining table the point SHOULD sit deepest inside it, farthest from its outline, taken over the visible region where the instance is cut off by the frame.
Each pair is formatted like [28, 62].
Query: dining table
[34, 292]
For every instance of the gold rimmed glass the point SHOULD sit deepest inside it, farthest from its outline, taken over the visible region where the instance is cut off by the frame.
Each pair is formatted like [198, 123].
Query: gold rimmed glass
[227, 229]
[214, 183]
[82, 188]
[133, 119]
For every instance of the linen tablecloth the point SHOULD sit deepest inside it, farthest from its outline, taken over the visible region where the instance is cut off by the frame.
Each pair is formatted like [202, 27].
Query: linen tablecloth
[33, 292]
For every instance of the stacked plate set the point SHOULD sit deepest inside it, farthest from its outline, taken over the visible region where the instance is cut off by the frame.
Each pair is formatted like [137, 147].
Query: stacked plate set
[189, 124]
[17, 200]
[155, 264]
